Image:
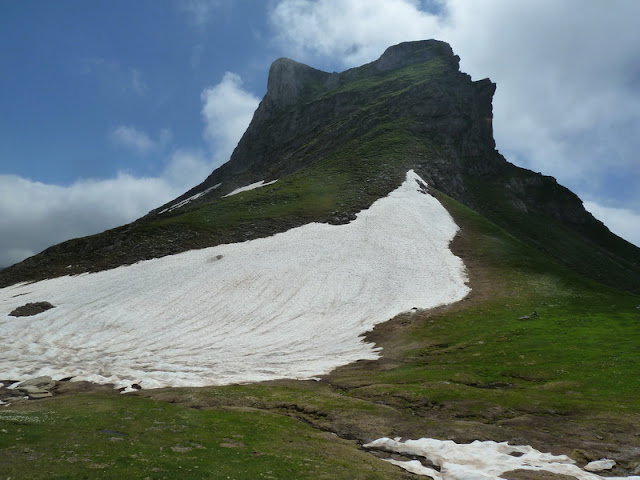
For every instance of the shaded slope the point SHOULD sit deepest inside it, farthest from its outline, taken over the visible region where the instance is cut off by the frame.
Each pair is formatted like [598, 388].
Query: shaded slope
[339, 141]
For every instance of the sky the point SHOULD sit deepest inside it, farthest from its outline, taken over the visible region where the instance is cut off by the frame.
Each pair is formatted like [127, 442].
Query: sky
[110, 109]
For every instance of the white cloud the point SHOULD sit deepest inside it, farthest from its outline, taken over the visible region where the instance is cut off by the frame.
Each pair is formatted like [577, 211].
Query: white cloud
[227, 110]
[567, 78]
[352, 31]
[164, 137]
[622, 221]
[186, 169]
[568, 72]
[132, 138]
[36, 215]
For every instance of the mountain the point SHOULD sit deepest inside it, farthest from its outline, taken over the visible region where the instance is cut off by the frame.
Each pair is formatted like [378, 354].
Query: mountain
[373, 266]
[338, 141]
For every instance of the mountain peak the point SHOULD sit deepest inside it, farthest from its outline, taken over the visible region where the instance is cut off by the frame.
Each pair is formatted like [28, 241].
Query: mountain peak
[408, 53]
[336, 142]
[289, 81]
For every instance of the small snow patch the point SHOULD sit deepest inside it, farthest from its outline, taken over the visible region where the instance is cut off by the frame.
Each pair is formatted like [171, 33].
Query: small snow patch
[480, 460]
[600, 465]
[250, 187]
[182, 203]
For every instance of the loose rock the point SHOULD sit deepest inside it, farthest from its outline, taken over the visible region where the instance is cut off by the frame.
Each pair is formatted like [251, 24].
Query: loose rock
[37, 387]
[31, 309]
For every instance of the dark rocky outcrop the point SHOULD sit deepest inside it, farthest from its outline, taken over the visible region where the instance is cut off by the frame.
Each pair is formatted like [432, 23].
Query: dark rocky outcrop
[31, 309]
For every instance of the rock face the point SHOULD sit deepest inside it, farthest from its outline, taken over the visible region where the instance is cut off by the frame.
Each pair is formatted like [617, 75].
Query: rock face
[300, 101]
[410, 109]
[449, 110]
[290, 81]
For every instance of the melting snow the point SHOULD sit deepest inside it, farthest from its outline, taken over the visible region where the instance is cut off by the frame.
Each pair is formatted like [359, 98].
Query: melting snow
[288, 306]
[480, 460]
[600, 465]
[250, 187]
[182, 203]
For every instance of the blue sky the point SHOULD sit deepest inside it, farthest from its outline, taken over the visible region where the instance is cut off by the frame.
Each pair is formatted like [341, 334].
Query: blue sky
[109, 109]
[78, 70]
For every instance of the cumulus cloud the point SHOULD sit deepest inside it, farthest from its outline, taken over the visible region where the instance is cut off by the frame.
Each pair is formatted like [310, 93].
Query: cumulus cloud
[567, 78]
[186, 169]
[567, 72]
[35, 215]
[227, 110]
[351, 31]
[622, 221]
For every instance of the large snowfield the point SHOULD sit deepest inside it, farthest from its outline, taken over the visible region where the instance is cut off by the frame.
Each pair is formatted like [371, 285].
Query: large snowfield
[293, 305]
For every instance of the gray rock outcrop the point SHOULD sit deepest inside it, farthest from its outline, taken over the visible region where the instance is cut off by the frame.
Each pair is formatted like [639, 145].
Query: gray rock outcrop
[37, 387]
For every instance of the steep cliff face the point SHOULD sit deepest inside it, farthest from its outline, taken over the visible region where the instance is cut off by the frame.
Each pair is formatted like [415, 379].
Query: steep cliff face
[339, 141]
[416, 84]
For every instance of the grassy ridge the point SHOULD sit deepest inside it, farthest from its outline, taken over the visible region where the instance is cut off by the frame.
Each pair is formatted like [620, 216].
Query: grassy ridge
[346, 182]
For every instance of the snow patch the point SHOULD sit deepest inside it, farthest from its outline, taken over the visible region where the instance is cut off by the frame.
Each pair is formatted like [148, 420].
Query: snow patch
[600, 465]
[293, 305]
[479, 460]
[182, 203]
[250, 187]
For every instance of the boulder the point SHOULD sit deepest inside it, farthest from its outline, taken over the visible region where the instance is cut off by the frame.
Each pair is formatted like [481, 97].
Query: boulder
[36, 387]
[31, 309]
[45, 382]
